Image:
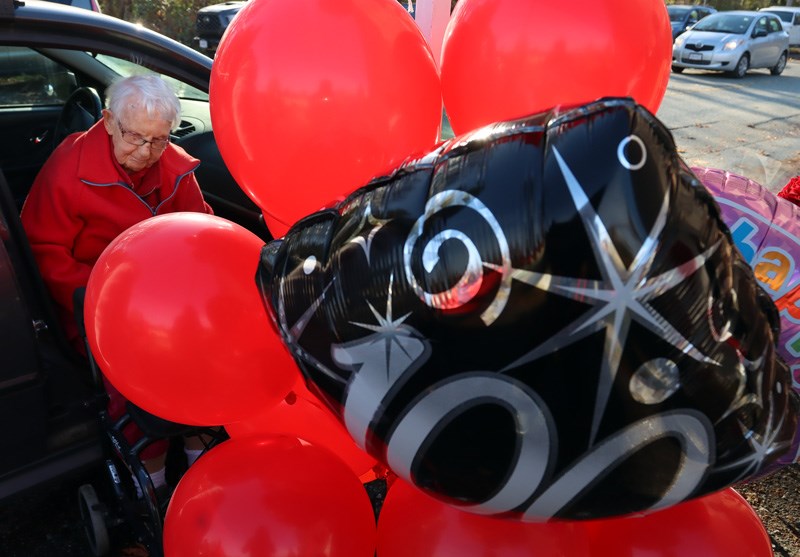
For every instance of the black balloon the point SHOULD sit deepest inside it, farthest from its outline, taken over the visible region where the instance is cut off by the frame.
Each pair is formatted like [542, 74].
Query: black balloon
[541, 318]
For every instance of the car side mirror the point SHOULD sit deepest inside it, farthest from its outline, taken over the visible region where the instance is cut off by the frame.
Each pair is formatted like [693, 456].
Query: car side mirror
[759, 33]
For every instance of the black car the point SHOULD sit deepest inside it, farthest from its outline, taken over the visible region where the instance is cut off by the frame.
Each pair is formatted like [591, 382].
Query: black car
[681, 17]
[212, 22]
[52, 60]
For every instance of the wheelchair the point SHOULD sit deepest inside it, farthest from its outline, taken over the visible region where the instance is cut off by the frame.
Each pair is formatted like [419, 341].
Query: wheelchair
[129, 498]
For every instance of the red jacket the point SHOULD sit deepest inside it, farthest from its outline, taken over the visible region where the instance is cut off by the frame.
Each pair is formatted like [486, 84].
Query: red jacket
[82, 199]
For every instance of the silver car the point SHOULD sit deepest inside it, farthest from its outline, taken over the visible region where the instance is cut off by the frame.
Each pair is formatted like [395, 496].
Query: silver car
[733, 42]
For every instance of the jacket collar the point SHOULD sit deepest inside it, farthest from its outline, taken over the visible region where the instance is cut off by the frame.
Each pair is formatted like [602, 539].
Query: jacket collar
[96, 158]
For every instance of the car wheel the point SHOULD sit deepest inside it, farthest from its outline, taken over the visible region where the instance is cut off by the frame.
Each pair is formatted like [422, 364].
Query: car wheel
[741, 66]
[778, 68]
[677, 69]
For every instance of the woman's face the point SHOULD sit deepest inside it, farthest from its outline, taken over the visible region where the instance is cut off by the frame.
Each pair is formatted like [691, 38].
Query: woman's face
[138, 139]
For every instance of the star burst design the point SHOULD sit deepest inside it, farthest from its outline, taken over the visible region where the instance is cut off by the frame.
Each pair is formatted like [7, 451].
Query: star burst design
[377, 224]
[745, 369]
[762, 447]
[393, 335]
[291, 334]
[621, 296]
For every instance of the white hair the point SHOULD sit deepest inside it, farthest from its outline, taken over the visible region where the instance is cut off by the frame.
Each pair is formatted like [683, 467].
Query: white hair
[148, 92]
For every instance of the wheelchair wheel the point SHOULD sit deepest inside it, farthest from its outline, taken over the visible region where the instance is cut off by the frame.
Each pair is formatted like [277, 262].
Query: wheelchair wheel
[93, 515]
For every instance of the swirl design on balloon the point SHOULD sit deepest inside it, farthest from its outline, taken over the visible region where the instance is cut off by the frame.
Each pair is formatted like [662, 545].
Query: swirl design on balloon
[469, 284]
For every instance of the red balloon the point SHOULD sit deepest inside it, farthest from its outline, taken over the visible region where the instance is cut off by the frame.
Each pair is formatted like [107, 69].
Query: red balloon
[311, 98]
[263, 497]
[176, 322]
[717, 525]
[506, 59]
[412, 523]
[301, 414]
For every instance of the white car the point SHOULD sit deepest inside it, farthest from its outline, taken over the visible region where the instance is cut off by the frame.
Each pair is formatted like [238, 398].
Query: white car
[790, 18]
[733, 42]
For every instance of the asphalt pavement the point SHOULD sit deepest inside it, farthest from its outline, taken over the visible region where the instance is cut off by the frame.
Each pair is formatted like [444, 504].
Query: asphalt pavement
[748, 126]
[776, 500]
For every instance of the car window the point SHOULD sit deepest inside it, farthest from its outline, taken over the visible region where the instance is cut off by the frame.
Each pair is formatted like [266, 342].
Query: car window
[761, 25]
[785, 16]
[774, 25]
[676, 14]
[127, 68]
[28, 78]
[85, 4]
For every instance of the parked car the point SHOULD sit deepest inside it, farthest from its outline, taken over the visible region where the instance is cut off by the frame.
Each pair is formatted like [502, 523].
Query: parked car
[683, 16]
[790, 18]
[733, 42]
[212, 22]
[50, 56]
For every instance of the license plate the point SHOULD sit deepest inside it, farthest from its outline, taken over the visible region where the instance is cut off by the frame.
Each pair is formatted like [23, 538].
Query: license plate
[695, 56]
[203, 43]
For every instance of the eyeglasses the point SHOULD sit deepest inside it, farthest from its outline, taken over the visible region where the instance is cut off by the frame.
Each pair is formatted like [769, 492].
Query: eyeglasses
[133, 138]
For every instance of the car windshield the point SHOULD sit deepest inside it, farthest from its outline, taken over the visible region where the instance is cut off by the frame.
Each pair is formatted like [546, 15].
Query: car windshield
[126, 68]
[676, 14]
[725, 23]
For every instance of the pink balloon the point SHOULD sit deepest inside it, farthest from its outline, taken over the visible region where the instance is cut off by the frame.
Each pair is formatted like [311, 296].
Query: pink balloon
[505, 59]
[312, 98]
[766, 229]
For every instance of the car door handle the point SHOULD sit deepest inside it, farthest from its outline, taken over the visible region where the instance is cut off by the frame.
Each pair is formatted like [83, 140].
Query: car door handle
[37, 139]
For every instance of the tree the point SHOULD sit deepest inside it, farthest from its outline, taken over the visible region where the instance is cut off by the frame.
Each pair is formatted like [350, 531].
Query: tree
[174, 18]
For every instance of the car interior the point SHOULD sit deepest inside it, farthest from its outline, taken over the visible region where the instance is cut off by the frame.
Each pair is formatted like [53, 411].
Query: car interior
[48, 401]
[47, 94]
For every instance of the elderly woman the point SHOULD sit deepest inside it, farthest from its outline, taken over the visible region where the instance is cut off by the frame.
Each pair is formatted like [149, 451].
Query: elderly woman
[100, 182]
